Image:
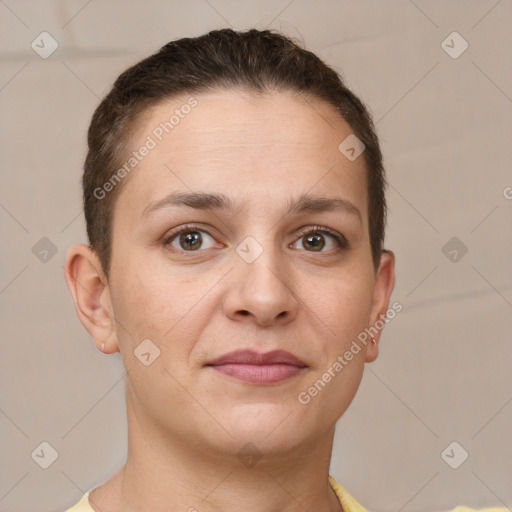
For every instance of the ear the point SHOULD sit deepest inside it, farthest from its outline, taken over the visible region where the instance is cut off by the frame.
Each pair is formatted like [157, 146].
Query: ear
[384, 284]
[89, 288]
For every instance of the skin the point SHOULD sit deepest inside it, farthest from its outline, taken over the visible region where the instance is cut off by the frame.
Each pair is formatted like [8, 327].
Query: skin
[186, 422]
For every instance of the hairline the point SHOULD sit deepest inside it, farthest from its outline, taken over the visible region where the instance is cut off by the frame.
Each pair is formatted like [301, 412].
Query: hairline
[134, 127]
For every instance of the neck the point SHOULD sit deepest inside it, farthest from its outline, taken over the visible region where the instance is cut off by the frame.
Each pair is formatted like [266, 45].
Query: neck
[164, 473]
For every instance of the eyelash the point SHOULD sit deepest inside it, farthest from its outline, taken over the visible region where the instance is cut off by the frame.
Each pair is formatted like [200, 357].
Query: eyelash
[342, 242]
[323, 230]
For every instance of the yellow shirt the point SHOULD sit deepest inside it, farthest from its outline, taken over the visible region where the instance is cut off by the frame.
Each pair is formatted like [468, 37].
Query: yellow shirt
[348, 503]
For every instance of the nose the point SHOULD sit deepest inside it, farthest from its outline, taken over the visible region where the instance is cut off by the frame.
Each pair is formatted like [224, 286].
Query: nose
[260, 291]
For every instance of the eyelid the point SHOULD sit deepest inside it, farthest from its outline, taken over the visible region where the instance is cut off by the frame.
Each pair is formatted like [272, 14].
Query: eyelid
[339, 238]
[170, 236]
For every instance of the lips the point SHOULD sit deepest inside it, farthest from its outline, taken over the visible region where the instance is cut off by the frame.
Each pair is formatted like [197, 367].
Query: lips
[255, 358]
[258, 368]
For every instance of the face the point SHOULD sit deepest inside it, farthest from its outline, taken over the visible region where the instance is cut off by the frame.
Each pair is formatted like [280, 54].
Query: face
[204, 277]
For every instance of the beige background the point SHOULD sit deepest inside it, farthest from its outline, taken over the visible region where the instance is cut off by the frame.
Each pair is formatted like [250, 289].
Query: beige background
[443, 374]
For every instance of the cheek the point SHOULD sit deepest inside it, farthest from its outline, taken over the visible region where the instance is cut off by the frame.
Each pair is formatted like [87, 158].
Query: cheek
[344, 305]
[151, 304]
[345, 310]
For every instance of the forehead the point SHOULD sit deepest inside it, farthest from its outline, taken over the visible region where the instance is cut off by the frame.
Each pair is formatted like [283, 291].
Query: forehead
[245, 145]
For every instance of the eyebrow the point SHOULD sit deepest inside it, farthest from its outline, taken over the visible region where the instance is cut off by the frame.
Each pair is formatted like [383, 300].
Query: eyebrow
[214, 201]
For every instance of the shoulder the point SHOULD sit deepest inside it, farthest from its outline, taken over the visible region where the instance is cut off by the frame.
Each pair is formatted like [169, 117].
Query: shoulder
[463, 508]
[82, 505]
[349, 503]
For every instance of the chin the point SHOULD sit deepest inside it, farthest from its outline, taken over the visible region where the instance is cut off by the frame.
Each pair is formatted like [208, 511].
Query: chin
[255, 444]
[269, 426]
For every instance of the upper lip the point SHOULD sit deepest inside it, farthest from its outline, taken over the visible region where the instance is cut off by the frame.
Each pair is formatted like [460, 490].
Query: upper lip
[256, 358]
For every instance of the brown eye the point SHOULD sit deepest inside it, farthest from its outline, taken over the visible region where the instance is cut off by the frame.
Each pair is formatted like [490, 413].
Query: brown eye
[321, 239]
[314, 242]
[190, 240]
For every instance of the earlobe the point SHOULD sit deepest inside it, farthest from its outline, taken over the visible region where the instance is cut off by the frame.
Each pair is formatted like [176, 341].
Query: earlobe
[384, 284]
[91, 294]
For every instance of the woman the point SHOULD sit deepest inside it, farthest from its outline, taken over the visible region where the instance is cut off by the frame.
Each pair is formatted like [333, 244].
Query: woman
[234, 199]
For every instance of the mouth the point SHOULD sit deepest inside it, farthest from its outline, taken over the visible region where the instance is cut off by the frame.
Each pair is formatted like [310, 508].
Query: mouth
[257, 368]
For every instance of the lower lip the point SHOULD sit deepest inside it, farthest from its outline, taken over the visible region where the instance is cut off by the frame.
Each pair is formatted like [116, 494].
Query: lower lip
[259, 374]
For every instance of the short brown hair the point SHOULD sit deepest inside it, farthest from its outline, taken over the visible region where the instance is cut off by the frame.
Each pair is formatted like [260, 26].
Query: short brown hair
[253, 60]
